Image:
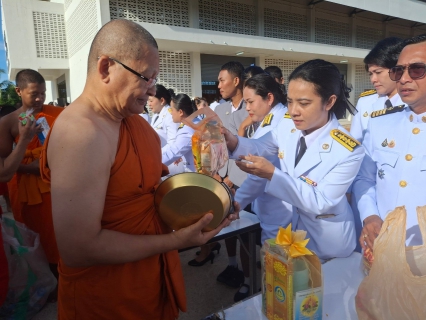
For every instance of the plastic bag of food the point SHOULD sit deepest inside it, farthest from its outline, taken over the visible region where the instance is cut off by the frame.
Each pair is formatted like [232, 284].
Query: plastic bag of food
[395, 286]
[208, 143]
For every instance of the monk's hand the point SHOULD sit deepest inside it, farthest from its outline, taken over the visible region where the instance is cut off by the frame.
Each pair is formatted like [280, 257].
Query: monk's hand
[231, 140]
[228, 182]
[257, 166]
[194, 235]
[27, 131]
[370, 232]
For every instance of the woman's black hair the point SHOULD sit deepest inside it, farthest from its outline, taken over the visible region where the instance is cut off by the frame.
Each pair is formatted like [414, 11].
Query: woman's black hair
[162, 92]
[252, 71]
[263, 84]
[276, 73]
[385, 53]
[184, 103]
[327, 81]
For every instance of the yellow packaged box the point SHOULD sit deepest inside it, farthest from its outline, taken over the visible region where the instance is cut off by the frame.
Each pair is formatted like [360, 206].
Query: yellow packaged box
[292, 286]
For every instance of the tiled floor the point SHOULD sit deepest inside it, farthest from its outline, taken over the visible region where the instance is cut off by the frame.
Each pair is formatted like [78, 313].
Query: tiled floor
[204, 294]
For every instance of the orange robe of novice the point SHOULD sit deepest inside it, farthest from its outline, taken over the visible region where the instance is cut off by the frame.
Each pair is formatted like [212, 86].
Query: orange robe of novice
[152, 288]
[33, 194]
[16, 206]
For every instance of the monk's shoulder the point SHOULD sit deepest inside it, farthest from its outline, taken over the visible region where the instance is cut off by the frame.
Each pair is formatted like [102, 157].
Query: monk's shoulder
[9, 123]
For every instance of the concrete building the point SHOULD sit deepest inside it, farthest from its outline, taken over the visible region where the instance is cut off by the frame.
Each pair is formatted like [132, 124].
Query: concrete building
[196, 37]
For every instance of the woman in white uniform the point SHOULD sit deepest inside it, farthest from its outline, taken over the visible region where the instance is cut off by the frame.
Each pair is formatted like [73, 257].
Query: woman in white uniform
[318, 158]
[181, 149]
[162, 121]
[264, 102]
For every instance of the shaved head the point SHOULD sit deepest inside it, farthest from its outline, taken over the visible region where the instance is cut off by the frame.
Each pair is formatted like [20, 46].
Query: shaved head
[123, 40]
[27, 76]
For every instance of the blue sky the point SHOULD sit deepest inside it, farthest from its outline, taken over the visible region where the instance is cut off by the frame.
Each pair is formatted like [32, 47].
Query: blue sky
[2, 53]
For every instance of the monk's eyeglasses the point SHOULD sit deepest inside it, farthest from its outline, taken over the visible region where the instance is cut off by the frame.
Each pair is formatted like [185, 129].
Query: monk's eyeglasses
[150, 81]
[415, 71]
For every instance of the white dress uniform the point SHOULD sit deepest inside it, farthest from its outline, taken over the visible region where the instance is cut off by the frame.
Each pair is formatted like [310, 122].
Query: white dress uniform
[146, 117]
[368, 102]
[181, 148]
[393, 172]
[316, 187]
[271, 211]
[166, 129]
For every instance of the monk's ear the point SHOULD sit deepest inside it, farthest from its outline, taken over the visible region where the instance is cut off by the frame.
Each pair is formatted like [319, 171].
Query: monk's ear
[102, 68]
[18, 91]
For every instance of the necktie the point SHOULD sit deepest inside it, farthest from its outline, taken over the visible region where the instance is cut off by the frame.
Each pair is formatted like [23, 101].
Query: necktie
[155, 119]
[302, 150]
[388, 104]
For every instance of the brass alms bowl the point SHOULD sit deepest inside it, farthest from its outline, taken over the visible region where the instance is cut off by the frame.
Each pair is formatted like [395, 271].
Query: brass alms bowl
[184, 198]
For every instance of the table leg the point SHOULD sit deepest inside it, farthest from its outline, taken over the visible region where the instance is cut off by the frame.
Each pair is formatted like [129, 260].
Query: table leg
[252, 262]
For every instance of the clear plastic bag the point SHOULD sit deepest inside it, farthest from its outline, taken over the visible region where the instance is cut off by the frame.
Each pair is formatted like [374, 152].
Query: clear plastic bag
[208, 143]
[30, 278]
[396, 285]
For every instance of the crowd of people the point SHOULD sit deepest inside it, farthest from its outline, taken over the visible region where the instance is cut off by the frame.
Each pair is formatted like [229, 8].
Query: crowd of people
[89, 189]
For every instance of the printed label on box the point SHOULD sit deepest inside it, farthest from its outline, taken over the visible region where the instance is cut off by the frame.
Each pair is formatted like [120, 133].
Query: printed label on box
[308, 304]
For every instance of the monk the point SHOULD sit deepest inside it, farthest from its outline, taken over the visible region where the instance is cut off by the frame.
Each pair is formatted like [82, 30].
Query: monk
[29, 195]
[117, 259]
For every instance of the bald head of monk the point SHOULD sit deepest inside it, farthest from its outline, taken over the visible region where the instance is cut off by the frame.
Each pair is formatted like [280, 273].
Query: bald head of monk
[122, 68]
[31, 87]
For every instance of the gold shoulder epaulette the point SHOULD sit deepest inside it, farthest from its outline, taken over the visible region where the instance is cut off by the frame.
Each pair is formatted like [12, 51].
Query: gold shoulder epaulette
[368, 93]
[389, 110]
[170, 110]
[267, 121]
[345, 140]
[181, 126]
[287, 116]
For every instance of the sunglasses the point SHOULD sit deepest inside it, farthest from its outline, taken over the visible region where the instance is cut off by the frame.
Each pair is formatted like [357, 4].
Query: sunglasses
[150, 81]
[415, 71]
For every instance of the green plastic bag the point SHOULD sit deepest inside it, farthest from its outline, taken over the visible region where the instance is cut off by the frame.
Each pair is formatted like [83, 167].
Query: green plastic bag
[30, 278]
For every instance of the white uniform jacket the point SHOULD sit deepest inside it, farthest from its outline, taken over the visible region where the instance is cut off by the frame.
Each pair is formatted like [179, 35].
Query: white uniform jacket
[181, 148]
[317, 187]
[146, 117]
[271, 211]
[164, 126]
[393, 172]
[365, 106]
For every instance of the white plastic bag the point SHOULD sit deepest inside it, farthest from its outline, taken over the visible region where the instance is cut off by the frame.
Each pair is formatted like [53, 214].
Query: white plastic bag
[396, 285]
[30, 278]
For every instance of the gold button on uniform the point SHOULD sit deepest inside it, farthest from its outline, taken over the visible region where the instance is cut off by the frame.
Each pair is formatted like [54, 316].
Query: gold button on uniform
[325, 146]
[293, 130]
[416, 130]
[424, 118]
[408, 157]
[411, 118]
[403, 183]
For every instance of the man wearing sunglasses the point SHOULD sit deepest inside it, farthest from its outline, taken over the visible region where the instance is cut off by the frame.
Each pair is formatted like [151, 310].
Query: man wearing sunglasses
[118, 260]
[378, 62]
[394, 168]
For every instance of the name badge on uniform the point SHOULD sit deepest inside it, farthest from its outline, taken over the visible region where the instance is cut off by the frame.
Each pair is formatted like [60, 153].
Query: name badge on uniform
[308, 181]
[325, 216]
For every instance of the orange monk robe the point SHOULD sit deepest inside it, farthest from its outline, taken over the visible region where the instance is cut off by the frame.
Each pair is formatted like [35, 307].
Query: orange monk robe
[152, 288]
[33, 193]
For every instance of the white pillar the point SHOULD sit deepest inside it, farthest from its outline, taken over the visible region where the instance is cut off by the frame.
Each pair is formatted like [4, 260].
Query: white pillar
[311, 24]
[196, 74]
[103, 12]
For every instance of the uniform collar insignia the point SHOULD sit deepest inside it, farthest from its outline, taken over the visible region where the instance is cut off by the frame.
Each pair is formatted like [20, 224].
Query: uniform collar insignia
[345, 140]
[367, 93]
[287, 116]
[181, 126]
[267, 121]
[389, 110]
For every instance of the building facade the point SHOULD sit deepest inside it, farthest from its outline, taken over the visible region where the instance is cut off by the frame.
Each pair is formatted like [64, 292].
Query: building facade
[196, 37]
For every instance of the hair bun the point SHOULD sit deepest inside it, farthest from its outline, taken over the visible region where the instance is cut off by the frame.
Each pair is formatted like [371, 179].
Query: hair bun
[172, 92]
